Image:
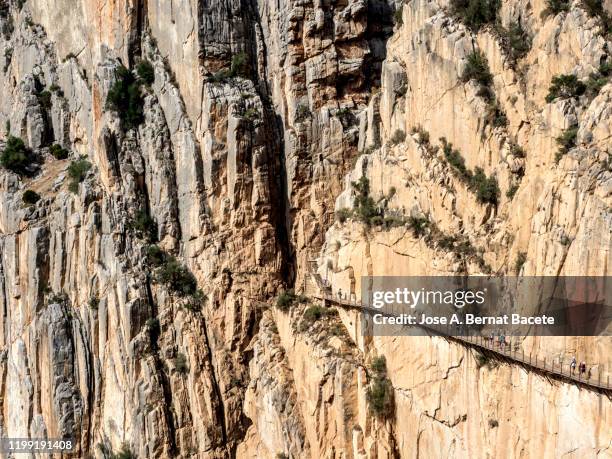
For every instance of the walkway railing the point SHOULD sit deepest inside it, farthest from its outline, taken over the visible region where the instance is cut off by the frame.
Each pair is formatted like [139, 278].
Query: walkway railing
[515, 354]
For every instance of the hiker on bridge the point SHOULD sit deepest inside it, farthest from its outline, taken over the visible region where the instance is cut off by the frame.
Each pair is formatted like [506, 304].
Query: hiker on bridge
[582, 368]
[573, 365]
[340, 293]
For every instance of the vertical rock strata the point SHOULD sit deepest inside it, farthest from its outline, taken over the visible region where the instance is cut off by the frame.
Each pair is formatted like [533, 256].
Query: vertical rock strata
[259, 117]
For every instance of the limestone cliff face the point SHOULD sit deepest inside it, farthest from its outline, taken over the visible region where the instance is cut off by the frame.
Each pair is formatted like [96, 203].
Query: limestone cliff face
[258, 118]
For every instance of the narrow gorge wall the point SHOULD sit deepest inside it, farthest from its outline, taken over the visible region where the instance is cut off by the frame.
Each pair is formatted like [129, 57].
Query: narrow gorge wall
[259, 116]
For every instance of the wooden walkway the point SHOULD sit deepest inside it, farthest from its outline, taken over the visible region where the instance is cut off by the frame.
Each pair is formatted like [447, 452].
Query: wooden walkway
[318, 290]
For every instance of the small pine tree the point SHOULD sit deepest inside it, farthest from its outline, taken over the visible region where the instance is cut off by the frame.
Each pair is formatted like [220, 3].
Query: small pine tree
[16, 156]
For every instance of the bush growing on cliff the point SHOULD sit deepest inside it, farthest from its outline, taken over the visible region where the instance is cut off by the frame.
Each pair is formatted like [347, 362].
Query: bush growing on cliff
[124, 98]
[565, 87]
[521, 258]
[16, 156]
[94, 303]
[475, 13]
[495, 115]
[422, 133]
[515, 41]
[144, 225]
[364, 206]
[287, 299]
[598, 79]
[477, 69]
[566, 141]
[554, 7]
[239, 65]
[398, 137]
[146, 72]
[418, 225]
[512, 191]
[595, 9]
[176, 277]
[343, 214]
[380, 391]
[487, 189]
[30, 197]
[77, 171]
[154, 256]
[124, 453]
[58, 152]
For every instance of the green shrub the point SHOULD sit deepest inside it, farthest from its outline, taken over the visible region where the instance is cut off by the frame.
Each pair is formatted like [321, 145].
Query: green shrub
[565, 87]
[398, 137]
[554, 7]
[364, 207]
[398, 16]
[495, 116]
[144, 225]
[454, 158]
[251, 115]
[477, 69]
[314, 313]
[512, 191]
[220, 76]
[476, 13]
[521, 258]
[176, 277]
[377, 220]
[16, 156]
[391, 221]
[343, 214]
[287, 299]
[493, 423]
[77, 171]
[58, 152]
[154, 256]
[422, 133]
[146, 72]
[94, 303]
[487, 189]
[124, 98]
[380, 391]
[379, 365]
[124, 453]
[595, 8]
[239, 65]
[418, 225]
[566, 141]
[598, 79]
[516, 43]
[180, 363]
[517, 150]
[30, 197]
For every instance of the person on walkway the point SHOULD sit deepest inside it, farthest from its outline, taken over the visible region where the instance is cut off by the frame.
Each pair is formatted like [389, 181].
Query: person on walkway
[582, 368]
[492, 339]
[573, 365]
[340, 293]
